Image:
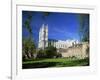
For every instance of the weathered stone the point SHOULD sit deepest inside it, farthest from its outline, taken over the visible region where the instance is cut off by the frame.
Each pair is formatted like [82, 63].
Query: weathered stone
[79, 51]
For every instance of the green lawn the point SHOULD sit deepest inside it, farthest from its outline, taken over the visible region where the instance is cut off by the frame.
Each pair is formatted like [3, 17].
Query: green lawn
[57, 62]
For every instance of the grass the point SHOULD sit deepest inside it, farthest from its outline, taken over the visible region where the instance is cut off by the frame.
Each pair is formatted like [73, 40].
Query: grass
[57, 62]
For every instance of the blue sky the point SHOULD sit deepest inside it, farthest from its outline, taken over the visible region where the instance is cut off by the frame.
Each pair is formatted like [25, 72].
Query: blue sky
[61, 26]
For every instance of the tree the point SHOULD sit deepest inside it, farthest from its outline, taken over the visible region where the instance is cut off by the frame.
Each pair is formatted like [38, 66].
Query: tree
[28, 48]
[41, 54]
[27, 24]
[28, 44]
[51, 52]
[84, 27]
[48, 52]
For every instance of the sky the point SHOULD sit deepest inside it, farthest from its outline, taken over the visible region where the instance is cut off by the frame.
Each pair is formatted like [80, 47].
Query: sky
[61, 26]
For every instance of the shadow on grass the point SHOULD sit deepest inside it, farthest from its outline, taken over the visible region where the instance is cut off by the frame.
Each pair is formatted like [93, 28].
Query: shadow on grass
[40, 65]
[46, 64]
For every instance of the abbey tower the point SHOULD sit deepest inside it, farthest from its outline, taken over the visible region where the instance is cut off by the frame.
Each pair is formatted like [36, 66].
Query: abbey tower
[43, 37]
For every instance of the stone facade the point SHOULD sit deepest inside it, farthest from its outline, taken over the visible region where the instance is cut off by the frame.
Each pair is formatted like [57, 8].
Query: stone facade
[65, 44]
[43, 37]
[67, 48]
[60, 44]
[79, 51]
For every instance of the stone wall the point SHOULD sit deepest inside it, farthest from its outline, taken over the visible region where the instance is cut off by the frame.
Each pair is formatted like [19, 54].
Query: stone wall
[79, 51]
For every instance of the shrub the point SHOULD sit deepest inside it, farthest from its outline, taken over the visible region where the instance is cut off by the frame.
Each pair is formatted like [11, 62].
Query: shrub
[48, 52]
[41, 54]
[51, 52]
[59, 55]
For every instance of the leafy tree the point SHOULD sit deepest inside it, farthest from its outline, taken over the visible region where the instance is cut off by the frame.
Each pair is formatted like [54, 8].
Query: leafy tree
[51, 52]
[28, 48]
[84, 27]
[28, 44]
[27, 24]
[48, 52]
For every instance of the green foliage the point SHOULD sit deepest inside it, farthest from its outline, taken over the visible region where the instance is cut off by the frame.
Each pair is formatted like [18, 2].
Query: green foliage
[48, 52]
[59, 55]
[28, 47]
[84, 27]
[41, 54]
[27, 24]
[51, 52]
[28, 44]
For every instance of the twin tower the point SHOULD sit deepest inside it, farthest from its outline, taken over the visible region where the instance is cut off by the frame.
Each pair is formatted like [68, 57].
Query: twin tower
[45, 42]
[43, 37]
